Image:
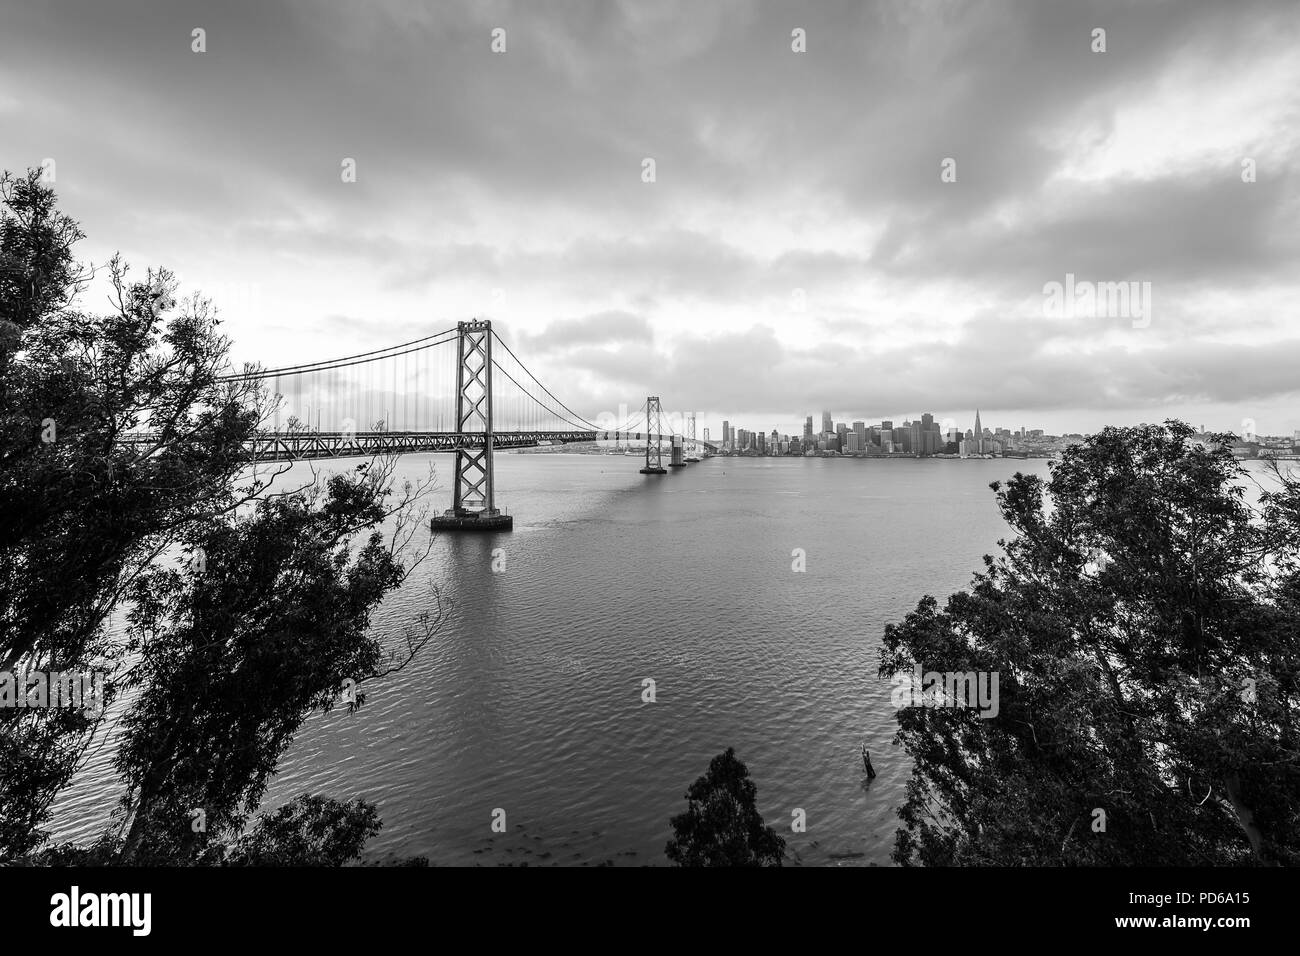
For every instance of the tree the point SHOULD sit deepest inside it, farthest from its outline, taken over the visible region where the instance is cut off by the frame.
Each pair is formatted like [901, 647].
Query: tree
[82, 512]
[232, 659]
[722, 825]
[1144, 626]
[122, 460]
[307, 831]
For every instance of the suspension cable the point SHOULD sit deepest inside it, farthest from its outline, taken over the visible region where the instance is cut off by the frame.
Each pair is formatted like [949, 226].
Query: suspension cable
[344, 362]
[587, 426]
[540, 385]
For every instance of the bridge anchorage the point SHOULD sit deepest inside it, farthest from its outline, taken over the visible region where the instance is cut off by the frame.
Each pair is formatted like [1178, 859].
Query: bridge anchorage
[654, 437]
[473, 503]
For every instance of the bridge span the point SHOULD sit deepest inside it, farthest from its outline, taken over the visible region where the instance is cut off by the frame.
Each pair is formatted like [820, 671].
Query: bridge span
[286, 446]
[405, 389]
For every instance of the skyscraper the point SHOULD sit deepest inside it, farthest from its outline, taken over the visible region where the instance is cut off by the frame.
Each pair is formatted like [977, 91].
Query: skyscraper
[979, 434]
[930, 441]
[726, 431]
[826, 422]
[807, 427]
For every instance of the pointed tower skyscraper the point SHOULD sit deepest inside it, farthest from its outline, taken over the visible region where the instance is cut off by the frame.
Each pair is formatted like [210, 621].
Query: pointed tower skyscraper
[979, 434]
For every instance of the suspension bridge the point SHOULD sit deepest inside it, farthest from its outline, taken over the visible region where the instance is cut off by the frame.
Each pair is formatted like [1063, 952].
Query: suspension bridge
[461, 391]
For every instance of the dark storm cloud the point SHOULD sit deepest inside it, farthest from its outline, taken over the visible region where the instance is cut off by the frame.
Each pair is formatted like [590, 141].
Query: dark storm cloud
[869, 382]
[671, 263]
[1187, 230]
[606, 328]
[519, 174]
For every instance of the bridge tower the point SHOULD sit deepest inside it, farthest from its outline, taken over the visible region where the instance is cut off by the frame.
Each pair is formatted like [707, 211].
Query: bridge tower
[653, 437]
[692, 449]
[473, 503]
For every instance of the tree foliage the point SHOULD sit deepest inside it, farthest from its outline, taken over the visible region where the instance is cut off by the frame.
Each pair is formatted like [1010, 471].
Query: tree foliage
[308, 831]
[721, 825]
[245, 608]
[1144, 626]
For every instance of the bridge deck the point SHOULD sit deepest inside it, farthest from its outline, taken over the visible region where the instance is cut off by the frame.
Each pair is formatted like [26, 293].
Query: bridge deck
[304, 445]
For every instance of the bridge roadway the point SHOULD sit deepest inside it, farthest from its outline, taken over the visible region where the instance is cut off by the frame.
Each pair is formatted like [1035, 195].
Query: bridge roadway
[308, 445]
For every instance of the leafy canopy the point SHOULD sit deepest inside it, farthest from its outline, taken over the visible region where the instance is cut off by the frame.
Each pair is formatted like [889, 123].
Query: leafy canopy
[1145, 626]
[721, 825]
[243, 609]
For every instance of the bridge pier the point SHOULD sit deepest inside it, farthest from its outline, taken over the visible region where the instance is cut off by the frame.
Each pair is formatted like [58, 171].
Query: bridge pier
[473, 503]
[653, 429]
[450, 520]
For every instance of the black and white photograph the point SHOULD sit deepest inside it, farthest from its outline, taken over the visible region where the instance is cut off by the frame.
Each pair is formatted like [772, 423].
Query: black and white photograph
[646, 434]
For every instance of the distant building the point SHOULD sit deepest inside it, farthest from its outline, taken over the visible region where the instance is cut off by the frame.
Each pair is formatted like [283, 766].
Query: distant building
[826, 422]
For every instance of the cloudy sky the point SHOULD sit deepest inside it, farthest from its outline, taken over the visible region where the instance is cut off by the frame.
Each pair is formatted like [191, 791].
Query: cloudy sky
[798, 248]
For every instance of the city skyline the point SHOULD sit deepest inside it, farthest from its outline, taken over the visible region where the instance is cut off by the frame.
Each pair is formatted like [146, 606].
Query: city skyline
[797, 429]
[1052, 424]
[922, 434]
[907, 436]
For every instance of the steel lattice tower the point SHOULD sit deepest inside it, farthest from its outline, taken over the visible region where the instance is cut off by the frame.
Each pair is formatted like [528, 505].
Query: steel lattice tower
[653, 437]
[474, 502]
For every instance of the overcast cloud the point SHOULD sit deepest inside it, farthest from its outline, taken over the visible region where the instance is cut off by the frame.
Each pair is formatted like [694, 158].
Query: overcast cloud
[798, 249]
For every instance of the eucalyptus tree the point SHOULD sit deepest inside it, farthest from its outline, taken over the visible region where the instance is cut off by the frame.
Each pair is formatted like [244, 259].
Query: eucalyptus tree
[1144, 622]
[126, 499]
